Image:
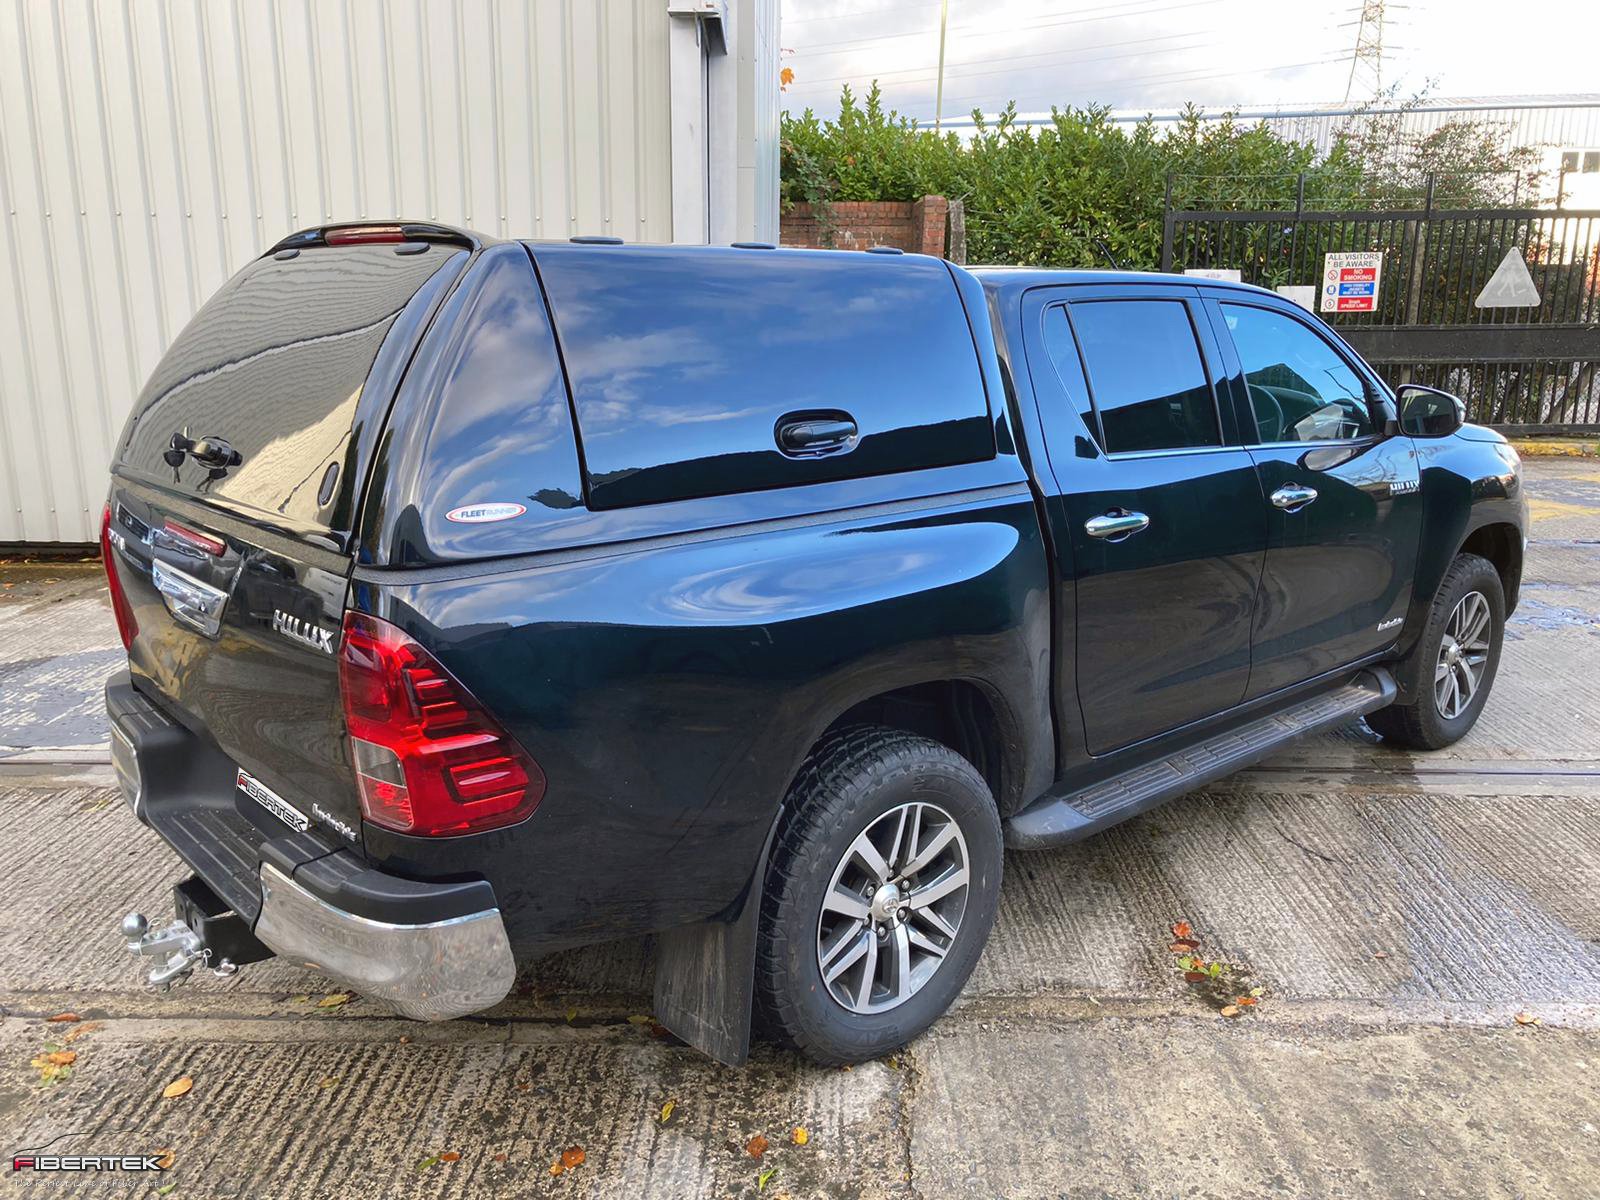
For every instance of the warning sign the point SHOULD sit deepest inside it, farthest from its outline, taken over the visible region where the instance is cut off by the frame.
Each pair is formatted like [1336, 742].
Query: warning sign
[1350, 281]
[1511, 285]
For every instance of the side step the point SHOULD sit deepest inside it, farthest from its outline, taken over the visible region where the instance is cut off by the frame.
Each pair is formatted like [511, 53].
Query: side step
[1054, 820]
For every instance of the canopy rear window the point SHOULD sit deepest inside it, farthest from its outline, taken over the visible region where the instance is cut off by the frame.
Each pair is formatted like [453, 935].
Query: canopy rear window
[275, 365]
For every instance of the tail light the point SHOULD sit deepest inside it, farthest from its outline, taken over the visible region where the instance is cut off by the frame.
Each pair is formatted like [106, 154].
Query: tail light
[428, 759]
[127, 626]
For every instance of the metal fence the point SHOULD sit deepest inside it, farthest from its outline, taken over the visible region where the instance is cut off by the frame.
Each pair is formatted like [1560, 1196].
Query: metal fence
[1530, 367]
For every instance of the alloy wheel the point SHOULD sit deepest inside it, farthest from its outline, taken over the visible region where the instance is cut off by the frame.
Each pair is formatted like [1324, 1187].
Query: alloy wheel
[893, 908]
[1463, 655]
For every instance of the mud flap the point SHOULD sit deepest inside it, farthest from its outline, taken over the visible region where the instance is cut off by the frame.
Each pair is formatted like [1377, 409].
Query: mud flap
[705, 973]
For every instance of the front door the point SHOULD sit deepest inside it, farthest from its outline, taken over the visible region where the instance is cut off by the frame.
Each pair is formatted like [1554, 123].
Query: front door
[1156, 508]
[1342, 500]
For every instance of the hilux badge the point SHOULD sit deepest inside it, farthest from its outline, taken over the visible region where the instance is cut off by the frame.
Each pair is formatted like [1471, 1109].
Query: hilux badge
[482, 514]
[303, 632]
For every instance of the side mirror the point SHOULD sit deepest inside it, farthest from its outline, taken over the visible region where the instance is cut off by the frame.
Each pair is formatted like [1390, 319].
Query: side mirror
[1427, 412]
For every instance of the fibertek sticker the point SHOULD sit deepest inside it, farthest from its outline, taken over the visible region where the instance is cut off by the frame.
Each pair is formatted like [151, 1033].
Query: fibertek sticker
[481, 514]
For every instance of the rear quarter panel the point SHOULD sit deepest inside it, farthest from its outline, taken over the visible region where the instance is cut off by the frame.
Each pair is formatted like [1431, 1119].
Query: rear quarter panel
[670, 688]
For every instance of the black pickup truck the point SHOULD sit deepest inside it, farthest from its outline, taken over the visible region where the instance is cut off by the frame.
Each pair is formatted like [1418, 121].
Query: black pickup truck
[488, 598]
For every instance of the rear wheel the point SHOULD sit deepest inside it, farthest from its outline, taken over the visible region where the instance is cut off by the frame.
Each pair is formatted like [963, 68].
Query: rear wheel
[880, 894]
[1447, 676]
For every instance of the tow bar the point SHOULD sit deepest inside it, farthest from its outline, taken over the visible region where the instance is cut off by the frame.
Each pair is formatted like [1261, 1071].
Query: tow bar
[205, 928]
[178, 942]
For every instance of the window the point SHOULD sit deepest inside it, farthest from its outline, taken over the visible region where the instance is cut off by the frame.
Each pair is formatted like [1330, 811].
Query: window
[1591, 162]
[1146, 374]
[1569, 160]
[1301, 390]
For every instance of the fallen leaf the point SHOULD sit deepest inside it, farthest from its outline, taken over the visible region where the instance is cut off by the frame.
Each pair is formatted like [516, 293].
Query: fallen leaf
[166, 1188]
[431, 1161]
[77, 1031]
[1184, 945]
[1195, 976]
[328, 1081]
[756, 1146]
[1230, 1010]
[450, 1156]
[572, 1156]
[556, 1168]
[1380, 954]
[761, 1179]
[1257, 991]
[1526, 1018]
[666, 1110]
[1244, 1001]
[61, 1058]
[405, 1039]
[334, 1000]
[1182, 929]
[299, 999]
[501, 1157]
[799, 1137]
[67, 1018]
[165, 1158]
[571, 1015]
[894, 1063]
[177, 1088]
[636, 1019]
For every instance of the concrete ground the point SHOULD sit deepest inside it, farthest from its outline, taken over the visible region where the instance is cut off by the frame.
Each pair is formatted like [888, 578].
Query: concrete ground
[1425, 929]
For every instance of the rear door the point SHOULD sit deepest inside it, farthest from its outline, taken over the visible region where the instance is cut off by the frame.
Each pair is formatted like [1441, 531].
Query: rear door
[233, 495]
[1341, 499]
[1155, 505]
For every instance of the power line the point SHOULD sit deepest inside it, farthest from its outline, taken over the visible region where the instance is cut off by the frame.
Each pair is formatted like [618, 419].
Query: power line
[921, 75]
[1115, 12]
[1189, 77]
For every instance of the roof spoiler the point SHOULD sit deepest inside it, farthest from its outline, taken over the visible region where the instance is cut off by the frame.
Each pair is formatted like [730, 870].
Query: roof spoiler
[348, 233]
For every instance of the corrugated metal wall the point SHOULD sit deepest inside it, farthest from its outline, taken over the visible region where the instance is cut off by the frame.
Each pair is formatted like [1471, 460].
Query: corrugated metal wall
[149, 148]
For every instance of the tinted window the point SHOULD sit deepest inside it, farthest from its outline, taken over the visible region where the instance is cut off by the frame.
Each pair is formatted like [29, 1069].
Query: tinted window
[1146, 373]
[684, 362]
[276, 365]
[1301, 390]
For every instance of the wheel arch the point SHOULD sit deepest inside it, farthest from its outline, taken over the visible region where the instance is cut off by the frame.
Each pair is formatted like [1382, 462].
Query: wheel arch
[967, 715]
[1501, 543]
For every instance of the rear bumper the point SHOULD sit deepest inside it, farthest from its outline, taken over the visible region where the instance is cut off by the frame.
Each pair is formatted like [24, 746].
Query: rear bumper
[431, 972]
[431, 950]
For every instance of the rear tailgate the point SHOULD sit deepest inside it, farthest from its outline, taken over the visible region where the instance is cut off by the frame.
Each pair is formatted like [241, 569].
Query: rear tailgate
[232, 501]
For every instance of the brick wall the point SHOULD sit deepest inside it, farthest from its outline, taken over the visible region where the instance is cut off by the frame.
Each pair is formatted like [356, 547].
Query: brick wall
[916, 226]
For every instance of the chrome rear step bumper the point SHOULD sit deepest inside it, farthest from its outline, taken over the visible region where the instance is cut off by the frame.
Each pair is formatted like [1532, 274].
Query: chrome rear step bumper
[430, 972]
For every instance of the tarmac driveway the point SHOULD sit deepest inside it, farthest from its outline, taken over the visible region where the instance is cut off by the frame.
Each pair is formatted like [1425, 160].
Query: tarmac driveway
[1425, 932]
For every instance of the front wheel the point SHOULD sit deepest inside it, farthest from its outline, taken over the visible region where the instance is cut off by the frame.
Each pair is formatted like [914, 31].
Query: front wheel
[1447, 676]
[880, 894]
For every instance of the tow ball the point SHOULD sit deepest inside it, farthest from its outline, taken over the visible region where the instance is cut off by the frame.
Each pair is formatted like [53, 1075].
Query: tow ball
[181, 946]
[204, 933]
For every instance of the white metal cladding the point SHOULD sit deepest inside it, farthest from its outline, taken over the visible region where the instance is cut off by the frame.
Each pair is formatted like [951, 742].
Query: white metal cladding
[150, 148]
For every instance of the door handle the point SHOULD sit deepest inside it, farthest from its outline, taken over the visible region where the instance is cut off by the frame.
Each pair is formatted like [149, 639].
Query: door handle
[803, 435]
[1116, 525]
[1292, 497]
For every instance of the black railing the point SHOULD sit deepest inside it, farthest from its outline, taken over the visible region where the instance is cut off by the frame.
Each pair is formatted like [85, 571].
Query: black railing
[1529, 366]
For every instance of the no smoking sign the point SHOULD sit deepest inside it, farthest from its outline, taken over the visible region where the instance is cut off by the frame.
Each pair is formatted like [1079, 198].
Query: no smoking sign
[1350, 281]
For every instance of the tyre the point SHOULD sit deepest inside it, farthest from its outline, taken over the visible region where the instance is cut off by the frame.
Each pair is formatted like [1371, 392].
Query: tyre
[879, 896]
[1447, 676]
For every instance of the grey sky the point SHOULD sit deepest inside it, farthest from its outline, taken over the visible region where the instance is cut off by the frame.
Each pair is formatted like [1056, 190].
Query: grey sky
[1160, 53]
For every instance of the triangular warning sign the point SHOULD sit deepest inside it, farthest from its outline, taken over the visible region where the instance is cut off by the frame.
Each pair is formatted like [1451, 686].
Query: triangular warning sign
[1510, 286]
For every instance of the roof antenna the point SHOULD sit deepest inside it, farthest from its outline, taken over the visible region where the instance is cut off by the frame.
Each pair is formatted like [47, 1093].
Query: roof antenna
[1100, 245]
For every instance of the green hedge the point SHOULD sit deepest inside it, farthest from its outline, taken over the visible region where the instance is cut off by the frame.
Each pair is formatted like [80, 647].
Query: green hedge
[1044, 195]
